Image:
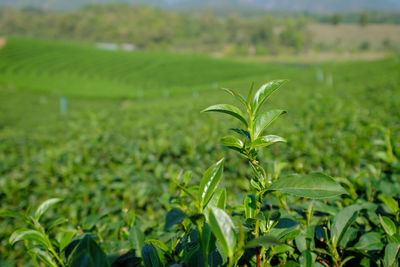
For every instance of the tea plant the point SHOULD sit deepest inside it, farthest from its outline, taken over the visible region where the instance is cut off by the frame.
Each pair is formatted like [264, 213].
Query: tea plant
[256, 120]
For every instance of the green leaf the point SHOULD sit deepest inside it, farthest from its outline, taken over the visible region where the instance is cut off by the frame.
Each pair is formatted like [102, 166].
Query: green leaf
[264, 92]
[228, 109]
[342, 222]
[218, 200]
[45, 256]
[249, 96]
[250, 206]
[136, 237]
[65, 239]
[237, 95]
[223, 229]
[314, 185]
[88, 253]
[388, 225]
[11, 214]
[306, 259]
[56, 223]
[349, 235]
[369, 241]
[391, 253]
[231, 141]
[241, 131]
[158, 243]
[150, 256]
[174, 216]
[29, 235]
[90, 221]
[395, 238]
[264, 119]
[45, 206]
[267, 140]
[209, 182]
[263, 241]
[390, 202]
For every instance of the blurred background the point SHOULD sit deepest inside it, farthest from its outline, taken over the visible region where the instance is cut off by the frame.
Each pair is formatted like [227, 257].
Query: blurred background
[100, 100]
[270, 28]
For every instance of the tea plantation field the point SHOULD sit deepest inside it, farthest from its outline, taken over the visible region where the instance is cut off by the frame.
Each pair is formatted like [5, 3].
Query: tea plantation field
[107, 132]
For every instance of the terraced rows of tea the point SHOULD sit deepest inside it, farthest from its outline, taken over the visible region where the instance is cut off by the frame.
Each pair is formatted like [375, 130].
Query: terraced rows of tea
[107, 131]
[85, 70]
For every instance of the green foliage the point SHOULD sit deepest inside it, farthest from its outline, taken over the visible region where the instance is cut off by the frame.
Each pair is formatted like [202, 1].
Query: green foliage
[121, 175]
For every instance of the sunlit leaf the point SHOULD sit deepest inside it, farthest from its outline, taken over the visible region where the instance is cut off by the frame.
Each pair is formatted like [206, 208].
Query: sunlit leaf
[237, 95]
[264, 92]
[157, 243]
[210, 182]
[45, 206]
[390, 202]
[228, 109]
[250, 206]
[231, 141]
[223, 229]
[29, 235]
[264, 119]
[388, 225]
[391, 255]
[315, 185]
[267, 140]
[45, 256]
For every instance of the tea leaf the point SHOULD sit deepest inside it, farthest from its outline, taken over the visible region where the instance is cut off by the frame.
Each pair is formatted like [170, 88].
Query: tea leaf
[237, 95]
[88, 253]
[263, 241]
[267, 140]
[150, 256]
[390, 202]
[29, 235]
[342, 222]
[315, 185]
[388, 225]
[174, 216]
[264, 119]
[228, 109]
[209, 182]
[250, 206]
[231, 141]
[369, 241]
[223, 229]
[45, 206]
[264, 92]
[391, 253]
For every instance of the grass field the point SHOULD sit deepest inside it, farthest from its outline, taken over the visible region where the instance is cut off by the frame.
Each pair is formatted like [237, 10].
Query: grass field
[133, 122]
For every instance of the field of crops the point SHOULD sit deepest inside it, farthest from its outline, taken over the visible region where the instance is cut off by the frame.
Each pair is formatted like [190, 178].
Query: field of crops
[109, 132]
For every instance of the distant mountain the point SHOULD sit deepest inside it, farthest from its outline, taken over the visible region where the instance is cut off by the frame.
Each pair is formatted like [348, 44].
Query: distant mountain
[325, 6]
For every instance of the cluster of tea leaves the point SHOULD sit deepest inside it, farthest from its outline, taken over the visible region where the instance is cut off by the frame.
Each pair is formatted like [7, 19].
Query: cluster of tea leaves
[113, 156]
